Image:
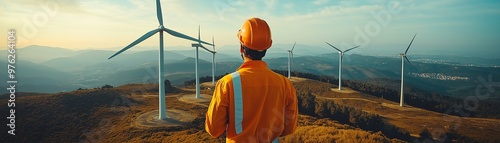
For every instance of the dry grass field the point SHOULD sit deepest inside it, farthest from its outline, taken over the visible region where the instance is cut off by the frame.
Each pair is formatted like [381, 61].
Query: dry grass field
[412, 119]
[112, 114]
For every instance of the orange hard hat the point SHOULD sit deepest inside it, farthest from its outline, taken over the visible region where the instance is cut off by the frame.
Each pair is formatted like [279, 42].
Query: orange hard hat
[255, 34]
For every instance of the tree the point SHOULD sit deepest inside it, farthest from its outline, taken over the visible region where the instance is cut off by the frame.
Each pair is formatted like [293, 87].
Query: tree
[169, 88]
[322, 109]
[425, 135]
[106, 86]
[306, 103]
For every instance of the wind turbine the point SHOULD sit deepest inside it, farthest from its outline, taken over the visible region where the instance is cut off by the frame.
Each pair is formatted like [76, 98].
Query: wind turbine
[160, 29]
[213, 61]
[197, 79]
[403, 57]
[290, 53]
[341, 55]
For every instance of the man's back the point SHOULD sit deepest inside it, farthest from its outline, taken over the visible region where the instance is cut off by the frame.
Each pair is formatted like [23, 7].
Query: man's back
[267, 101]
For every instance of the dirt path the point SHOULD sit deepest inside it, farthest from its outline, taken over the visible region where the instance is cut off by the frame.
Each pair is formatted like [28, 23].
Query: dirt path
[191, 98]
[297, 79]
[174, 118]
[388, 105]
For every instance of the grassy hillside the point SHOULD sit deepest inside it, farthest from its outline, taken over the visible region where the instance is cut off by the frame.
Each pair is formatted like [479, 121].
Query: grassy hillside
[409, 118]
[61, 117]
[108, 115]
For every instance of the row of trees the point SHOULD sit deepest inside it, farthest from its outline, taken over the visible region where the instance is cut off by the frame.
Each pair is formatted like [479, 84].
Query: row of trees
[203, 79]
[413, 96]
[168, 88]
[449, 136]
[430, 100]
[309, 105]
[102, 87]
[322, 78]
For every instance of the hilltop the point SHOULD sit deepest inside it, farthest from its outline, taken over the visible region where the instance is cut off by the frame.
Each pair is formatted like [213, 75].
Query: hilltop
[408, 118]
[111, 114]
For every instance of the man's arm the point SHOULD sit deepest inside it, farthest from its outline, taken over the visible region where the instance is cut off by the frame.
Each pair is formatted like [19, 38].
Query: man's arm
[216, 118]
[291, 111]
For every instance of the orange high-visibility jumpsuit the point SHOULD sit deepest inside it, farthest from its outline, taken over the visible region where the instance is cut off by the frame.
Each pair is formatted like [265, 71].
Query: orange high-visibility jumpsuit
[253, 104]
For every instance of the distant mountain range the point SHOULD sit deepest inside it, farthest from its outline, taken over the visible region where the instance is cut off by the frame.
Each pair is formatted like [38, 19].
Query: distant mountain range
[51, 69]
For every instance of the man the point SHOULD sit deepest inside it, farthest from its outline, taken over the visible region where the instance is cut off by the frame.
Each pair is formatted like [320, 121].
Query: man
[253, 104]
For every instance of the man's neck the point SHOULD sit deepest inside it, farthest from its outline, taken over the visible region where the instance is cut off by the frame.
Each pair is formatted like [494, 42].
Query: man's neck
[246, 59]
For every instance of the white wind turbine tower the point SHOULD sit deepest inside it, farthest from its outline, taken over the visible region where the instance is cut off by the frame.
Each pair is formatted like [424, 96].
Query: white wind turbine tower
[197, 79]
[403, 57]
[213, 61]
[160, 29]
[290, 56]
[341, 55]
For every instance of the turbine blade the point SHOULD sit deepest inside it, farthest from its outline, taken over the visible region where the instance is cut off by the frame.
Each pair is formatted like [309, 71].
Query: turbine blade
[180, 35]
[158, 12]
[201, 46]
[351, 48]
[333, 47]
[142, 38]
[409, 61]
[294, 45]
[410, 43]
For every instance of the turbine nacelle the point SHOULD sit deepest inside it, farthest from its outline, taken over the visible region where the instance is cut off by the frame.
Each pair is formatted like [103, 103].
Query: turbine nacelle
[340, 51]
[201, 45]
[341, 56]
[290, 57]
[195, 45]
[213, 44]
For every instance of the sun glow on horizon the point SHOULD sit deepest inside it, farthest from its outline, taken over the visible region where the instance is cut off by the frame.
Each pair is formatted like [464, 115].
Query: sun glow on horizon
[97, 24]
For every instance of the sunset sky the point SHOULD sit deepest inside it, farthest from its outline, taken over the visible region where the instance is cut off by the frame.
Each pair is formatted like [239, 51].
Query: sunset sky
[97, 24]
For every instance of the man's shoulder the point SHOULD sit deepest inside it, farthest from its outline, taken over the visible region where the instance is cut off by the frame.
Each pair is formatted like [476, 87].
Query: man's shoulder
[282, 77]
[227, 78]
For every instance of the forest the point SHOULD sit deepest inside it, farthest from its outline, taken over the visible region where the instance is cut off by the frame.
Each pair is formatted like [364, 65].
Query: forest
[413, 96]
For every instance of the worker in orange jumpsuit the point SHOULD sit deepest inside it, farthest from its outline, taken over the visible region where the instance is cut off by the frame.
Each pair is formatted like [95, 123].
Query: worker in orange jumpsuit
[253, 104]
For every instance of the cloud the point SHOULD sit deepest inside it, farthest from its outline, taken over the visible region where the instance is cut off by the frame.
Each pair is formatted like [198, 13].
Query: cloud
[118, 22]
[289, 6]
[336, 12]
[320, 2]
[270, 3]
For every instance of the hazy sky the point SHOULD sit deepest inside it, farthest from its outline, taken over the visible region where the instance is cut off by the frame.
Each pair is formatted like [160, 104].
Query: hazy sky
[82, 24]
